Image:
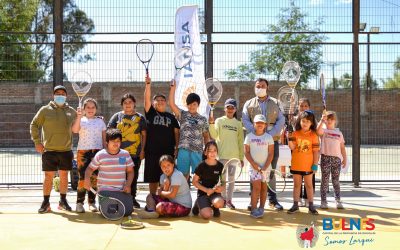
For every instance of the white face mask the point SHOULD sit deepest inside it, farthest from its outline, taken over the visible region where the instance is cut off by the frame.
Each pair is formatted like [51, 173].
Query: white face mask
[260, 92]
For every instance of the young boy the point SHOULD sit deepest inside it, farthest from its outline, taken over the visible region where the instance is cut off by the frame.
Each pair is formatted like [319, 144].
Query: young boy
[115, 167]
[259, 151]
[193, 134]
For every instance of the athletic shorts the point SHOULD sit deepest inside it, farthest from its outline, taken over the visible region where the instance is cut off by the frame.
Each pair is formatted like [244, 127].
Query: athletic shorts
[53, 161]
[152, 169]
[302, 173]
[206, 201]
[169, 208]
[256, 175]
[186, 159]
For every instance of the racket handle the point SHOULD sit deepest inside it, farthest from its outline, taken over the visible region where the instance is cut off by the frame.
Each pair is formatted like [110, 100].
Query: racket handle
[147, 72]
[212, 112]
[93, 191]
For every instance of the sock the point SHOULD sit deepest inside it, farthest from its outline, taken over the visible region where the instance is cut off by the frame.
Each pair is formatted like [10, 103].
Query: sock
[310, 204]
[295, 203]
[46, 198]
[63, 197]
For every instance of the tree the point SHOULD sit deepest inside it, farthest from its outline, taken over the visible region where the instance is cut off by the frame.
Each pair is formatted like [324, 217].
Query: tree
[394, 82]
[344, 82]
[271, 58]
[17, 61]
[76, 25]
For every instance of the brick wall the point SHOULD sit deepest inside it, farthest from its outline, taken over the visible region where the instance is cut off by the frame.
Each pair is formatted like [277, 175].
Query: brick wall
[380, 118]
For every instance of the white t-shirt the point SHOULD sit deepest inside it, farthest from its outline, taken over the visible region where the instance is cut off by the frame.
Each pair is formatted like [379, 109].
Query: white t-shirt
[330, 143]
[90, 134]
[259, 147]
[183, 196]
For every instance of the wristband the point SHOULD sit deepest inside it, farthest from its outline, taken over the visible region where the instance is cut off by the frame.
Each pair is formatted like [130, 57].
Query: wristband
[314, 167]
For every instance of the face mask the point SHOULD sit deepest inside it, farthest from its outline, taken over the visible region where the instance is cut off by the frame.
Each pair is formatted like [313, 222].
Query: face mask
[60, 99]
[260, 92]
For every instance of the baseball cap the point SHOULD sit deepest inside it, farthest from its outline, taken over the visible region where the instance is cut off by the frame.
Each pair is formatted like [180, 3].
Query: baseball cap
[260, 118]
[230, 102]
[59, 87]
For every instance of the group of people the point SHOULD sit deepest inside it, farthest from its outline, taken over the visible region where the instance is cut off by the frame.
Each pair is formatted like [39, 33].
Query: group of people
[177, 145]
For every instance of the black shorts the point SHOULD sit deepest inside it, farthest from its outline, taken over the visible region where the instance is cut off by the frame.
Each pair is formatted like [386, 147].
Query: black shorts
[152, 169]
[53, 161]
[302, 173]
[206, 201]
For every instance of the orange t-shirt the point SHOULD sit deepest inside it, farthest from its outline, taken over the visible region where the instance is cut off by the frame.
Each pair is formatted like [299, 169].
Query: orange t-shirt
[302, 155]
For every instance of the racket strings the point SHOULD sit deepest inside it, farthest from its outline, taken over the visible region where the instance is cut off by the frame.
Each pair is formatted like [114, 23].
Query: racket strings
[112, 209]
[145, 51]
[214, 90]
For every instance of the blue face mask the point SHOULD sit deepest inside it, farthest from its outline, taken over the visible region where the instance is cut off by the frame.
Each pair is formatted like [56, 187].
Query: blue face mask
[60, 99]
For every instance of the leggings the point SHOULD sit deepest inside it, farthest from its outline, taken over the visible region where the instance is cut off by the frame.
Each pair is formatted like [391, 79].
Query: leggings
[83, 158]
[228, 193]
[330, 165]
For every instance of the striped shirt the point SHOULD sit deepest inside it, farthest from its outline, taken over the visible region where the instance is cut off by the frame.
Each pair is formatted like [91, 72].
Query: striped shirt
[112, 169]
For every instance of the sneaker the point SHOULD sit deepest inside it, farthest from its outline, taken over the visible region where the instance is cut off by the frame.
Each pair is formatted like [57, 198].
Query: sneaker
[63, 205]
[339, 205]
[255, 213]
[229, 205]
[44, 208]
[216, 212]
[293, 209]
[136, 204]
[142, 214]
[93, 208]
[324, 205]
[312, 210]
[261, 211]
[195, 210]
[80, 208]
[276, 206]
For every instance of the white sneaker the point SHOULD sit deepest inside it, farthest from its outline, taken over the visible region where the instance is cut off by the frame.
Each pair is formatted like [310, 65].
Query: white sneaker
[324, 205]
[306, 203]
[142, 214]
[80, 208]
[339, 205]
[93, 208]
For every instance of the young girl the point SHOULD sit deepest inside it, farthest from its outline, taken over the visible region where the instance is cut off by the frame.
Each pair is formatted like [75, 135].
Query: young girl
[333, 156]
[173, 196]
[205, 179]
[304, 144]
[92, 134]
[228, 133]
[259, 151]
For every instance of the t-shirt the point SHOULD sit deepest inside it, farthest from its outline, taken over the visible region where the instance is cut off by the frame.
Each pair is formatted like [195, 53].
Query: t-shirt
[302, 155]
[112, 169]
[330, 143]
[192, 129]
[90, 134]
[131, 127]
[160, 132]
[259, 145]
[208, 175]
[228, 133]
[183, 196]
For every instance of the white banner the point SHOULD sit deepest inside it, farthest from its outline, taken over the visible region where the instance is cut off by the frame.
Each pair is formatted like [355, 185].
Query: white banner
[191, 78]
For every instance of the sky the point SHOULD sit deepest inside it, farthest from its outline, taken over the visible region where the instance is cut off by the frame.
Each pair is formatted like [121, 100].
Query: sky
[118, 62]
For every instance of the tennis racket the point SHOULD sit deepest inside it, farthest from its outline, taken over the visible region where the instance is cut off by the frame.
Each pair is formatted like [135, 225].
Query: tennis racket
[145, 51]
[81, 83]
[230, 173]
[183, 57]
[273, 175]
[131, 224]
[213, 90]
[291, 73]
[111, 208]
[287, 100]
[323, 93]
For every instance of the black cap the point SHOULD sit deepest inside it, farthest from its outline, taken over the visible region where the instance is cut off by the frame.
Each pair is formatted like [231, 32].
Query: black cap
[59, 87]
[230, 102]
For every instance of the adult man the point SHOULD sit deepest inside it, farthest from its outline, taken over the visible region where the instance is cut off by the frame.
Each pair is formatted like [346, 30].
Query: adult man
[162, 135]
[267, 106]
[51, 132]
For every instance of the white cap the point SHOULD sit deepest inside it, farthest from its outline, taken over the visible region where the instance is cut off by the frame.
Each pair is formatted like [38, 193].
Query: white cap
[260, 118]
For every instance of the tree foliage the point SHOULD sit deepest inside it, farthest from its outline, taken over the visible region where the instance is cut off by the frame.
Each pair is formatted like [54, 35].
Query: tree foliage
[24, 52]
[394, 82]
[300, 47]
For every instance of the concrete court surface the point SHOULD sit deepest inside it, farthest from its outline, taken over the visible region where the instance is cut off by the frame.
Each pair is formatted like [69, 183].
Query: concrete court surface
[22, 228]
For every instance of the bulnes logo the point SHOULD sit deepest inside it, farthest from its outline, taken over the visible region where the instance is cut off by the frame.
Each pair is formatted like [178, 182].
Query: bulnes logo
[351, 224]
